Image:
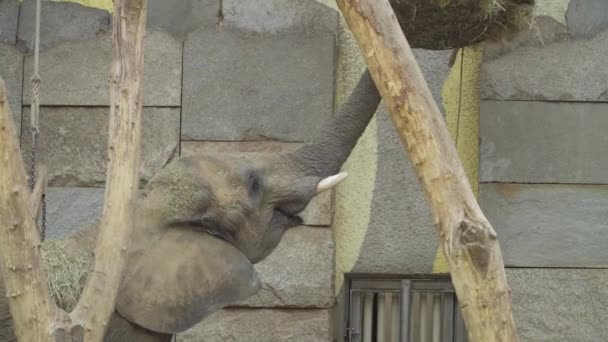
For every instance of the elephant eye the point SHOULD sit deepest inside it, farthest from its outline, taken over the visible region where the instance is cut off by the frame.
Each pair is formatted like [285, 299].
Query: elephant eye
[254, 184]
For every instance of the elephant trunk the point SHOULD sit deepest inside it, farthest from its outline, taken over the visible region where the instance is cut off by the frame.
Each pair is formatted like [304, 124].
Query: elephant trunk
[327, 152]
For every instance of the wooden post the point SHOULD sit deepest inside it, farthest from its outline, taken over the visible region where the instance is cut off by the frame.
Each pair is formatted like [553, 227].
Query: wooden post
[22, 271]
[468, 240]
[96, 304]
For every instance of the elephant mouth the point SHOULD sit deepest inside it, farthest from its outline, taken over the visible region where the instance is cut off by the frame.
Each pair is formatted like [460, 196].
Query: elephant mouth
[210, 226]
[283, 219]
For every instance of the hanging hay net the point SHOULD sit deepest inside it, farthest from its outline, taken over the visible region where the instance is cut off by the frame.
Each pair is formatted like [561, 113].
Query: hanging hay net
[449, 24]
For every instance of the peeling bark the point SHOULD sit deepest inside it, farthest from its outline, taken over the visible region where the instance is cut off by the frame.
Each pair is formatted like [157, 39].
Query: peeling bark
[468, 240]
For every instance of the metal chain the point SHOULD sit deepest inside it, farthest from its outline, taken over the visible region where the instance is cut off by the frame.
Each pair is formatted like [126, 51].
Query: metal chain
[35, 114]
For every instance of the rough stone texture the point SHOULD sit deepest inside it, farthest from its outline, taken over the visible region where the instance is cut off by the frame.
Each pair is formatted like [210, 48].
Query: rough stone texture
[278, 16]
[544, 31]
[11, 71]
[262, 325]
[60, 22]
[435, 67]
[549, 225]
[182, 17]
[542, 142]
[245, 149]
[577, 72]
[73, 142]
[9, 18]
[585, 18]
[299, 272]
[77, 73]
[70, 209]
[319, 210]
[565, 305]
[256, 88]
[400, 237]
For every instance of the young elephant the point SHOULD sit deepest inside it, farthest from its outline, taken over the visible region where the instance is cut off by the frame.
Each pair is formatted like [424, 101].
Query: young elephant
[202, 222]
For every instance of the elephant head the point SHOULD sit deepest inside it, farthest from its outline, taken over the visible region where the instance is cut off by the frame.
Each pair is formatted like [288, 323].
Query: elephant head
[204, 221]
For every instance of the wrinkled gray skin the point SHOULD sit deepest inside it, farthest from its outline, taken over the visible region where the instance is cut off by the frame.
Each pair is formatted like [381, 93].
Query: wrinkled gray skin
[201, 224]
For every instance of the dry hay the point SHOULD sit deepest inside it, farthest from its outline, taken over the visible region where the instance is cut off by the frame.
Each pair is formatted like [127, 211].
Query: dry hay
[67, 263]
[449, 24]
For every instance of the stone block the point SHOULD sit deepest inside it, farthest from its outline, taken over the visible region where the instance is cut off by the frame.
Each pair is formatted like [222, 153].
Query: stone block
[60, 22]
[544, 30]
[543, 142]
[70, 209]
[262, 325]
[238, 87]
[73, 142]
[566, 305]
[11, 71]
[548, 225]
[183, 16]
[9, 18]
[77, 73]
[577, 72]
[299, 272]
[585, 18]
[319, 210]
[278, 16]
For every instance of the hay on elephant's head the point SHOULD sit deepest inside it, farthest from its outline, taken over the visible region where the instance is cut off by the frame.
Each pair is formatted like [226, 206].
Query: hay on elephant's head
[449, 24]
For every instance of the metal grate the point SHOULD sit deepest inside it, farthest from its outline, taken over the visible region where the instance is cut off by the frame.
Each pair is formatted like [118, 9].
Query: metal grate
[408, 310]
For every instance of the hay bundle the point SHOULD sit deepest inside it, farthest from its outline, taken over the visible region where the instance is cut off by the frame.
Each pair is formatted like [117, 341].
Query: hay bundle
[67, 263]
[449, 24]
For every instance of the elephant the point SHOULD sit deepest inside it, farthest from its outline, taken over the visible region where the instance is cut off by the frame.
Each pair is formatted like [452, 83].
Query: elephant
[201, 223]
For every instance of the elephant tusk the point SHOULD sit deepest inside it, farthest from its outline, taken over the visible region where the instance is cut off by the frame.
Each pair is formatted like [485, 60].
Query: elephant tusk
[330, 182]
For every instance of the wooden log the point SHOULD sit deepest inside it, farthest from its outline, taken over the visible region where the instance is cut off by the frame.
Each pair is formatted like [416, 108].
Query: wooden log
[21, 260]
[468, 240]
[96, 304]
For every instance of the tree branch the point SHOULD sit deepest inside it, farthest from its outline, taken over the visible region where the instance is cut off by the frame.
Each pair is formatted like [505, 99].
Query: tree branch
[468, 240]
[23, 275]
[96, 304]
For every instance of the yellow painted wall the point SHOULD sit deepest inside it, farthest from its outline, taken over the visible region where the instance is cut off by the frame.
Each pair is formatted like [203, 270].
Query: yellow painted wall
[103, 4]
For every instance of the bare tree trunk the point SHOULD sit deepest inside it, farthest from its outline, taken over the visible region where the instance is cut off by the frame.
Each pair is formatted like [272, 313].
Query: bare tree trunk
[469, 242]
[24, 277]
[96, 304]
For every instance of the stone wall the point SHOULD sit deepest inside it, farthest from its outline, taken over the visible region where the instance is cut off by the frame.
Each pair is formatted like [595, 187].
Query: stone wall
[259, 83]
[543, 181]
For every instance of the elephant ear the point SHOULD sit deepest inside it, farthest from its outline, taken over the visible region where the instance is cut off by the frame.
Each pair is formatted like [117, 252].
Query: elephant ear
[181, 278]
